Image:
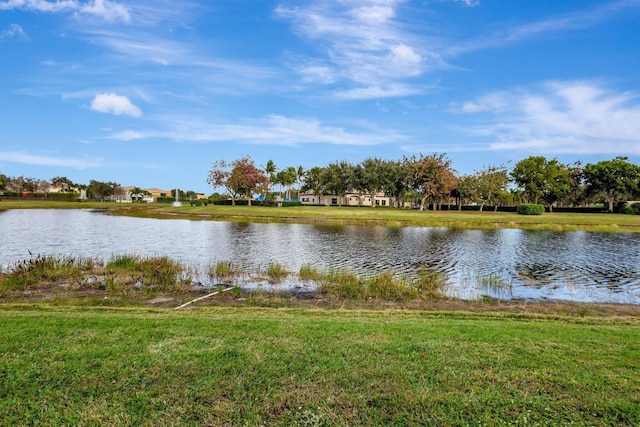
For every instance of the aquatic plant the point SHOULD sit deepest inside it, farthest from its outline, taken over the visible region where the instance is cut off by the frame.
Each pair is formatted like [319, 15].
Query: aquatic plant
[276, 271]
[222, 271]
[307, 272]
[46, 270]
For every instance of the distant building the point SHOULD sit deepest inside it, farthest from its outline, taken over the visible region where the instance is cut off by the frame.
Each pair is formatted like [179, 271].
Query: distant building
[352, 198]
[127, 196]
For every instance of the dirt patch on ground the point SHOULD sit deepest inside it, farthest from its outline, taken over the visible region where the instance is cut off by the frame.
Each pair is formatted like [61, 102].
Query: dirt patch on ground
[312, 300]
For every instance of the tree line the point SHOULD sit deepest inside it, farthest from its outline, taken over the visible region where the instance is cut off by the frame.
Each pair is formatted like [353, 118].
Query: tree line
[430, 181]
[69, 190]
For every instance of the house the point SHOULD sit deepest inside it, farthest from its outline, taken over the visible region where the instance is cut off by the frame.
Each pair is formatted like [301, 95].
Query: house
[351, 198]
[152, 195]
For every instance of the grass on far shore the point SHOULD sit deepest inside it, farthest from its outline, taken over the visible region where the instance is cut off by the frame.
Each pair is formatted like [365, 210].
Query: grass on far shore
[360, 216]
[225, 366]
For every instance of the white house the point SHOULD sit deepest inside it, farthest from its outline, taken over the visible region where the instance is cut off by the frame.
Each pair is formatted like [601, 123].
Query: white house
[352, 198]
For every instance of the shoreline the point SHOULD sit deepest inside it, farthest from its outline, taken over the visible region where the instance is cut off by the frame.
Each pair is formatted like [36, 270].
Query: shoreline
[365, 216]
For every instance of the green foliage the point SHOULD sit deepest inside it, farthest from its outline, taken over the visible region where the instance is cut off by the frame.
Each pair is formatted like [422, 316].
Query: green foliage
[431, 283]
[46, 271]
[543, 180]
[166, 199]
[633, 209]
[222, 270]
[124, 262]
[63, 197]
[613, 180]
[128, 273]
[276, 271]
[385, 286]
[530, 209]
[290, 203]
[307, 272]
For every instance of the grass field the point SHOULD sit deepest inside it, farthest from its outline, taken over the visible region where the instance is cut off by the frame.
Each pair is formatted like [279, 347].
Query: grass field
[363, 216]
[285, 367]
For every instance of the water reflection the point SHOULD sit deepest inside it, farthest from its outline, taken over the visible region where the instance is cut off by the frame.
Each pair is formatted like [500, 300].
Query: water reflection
[578, 266]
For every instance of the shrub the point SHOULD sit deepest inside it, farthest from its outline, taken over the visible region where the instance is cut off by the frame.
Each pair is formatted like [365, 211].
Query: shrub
[632, 209]
[530, 209]
[289, 203]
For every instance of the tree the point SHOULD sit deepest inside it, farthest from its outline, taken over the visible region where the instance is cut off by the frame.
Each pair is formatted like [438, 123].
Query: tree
[430, 176]
[313, 180]
[300, 173]
[396, 185]
[559, 183]
[136, 194]
[466, 189]
[269, 170]
[101, 190]
[63, 182]
[30, 185]
[614, 180]
[542, 180]
[491, 184]
[287, 178]
[219, 177]
[357, 181]
[3, 182]
[376, 177]
[245, 177]
[335, 179]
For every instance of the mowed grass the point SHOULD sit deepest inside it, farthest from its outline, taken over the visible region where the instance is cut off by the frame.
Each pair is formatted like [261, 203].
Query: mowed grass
[360, 216]
[283, 367]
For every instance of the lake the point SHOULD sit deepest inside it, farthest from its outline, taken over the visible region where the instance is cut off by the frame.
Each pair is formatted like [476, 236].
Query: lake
[576, 266]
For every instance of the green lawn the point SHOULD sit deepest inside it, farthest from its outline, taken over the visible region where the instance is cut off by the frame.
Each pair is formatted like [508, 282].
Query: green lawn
[363, 215]
[286, 367]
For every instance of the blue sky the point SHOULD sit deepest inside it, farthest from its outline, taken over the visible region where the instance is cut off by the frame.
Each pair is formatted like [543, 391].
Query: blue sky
[151, 93]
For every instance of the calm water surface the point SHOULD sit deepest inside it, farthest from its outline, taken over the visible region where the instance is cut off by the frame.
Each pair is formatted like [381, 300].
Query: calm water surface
[578, 266]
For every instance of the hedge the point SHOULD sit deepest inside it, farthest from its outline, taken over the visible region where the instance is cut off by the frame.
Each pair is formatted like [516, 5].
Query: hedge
[530, 209]
[633, 209]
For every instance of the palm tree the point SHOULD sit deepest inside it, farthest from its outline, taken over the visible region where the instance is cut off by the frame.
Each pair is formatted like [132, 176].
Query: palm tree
[135, 192]
[300, 173]
[286, 178]
[270, 171]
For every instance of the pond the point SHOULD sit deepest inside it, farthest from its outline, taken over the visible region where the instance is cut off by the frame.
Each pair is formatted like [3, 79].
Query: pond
[506, 263]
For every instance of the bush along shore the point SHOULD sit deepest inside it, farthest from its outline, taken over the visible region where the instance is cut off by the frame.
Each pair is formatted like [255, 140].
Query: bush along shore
[135, 276]
[158, 281]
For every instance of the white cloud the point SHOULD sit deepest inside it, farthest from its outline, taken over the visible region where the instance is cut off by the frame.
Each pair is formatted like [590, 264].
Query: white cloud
[580, 117]
[30, 159]
[377, 92]
[270, 130]
[466, 107]
[362, 42]
[106, 9]
[115, 104]
[584, 18]
[14, 30]
[469, 2]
